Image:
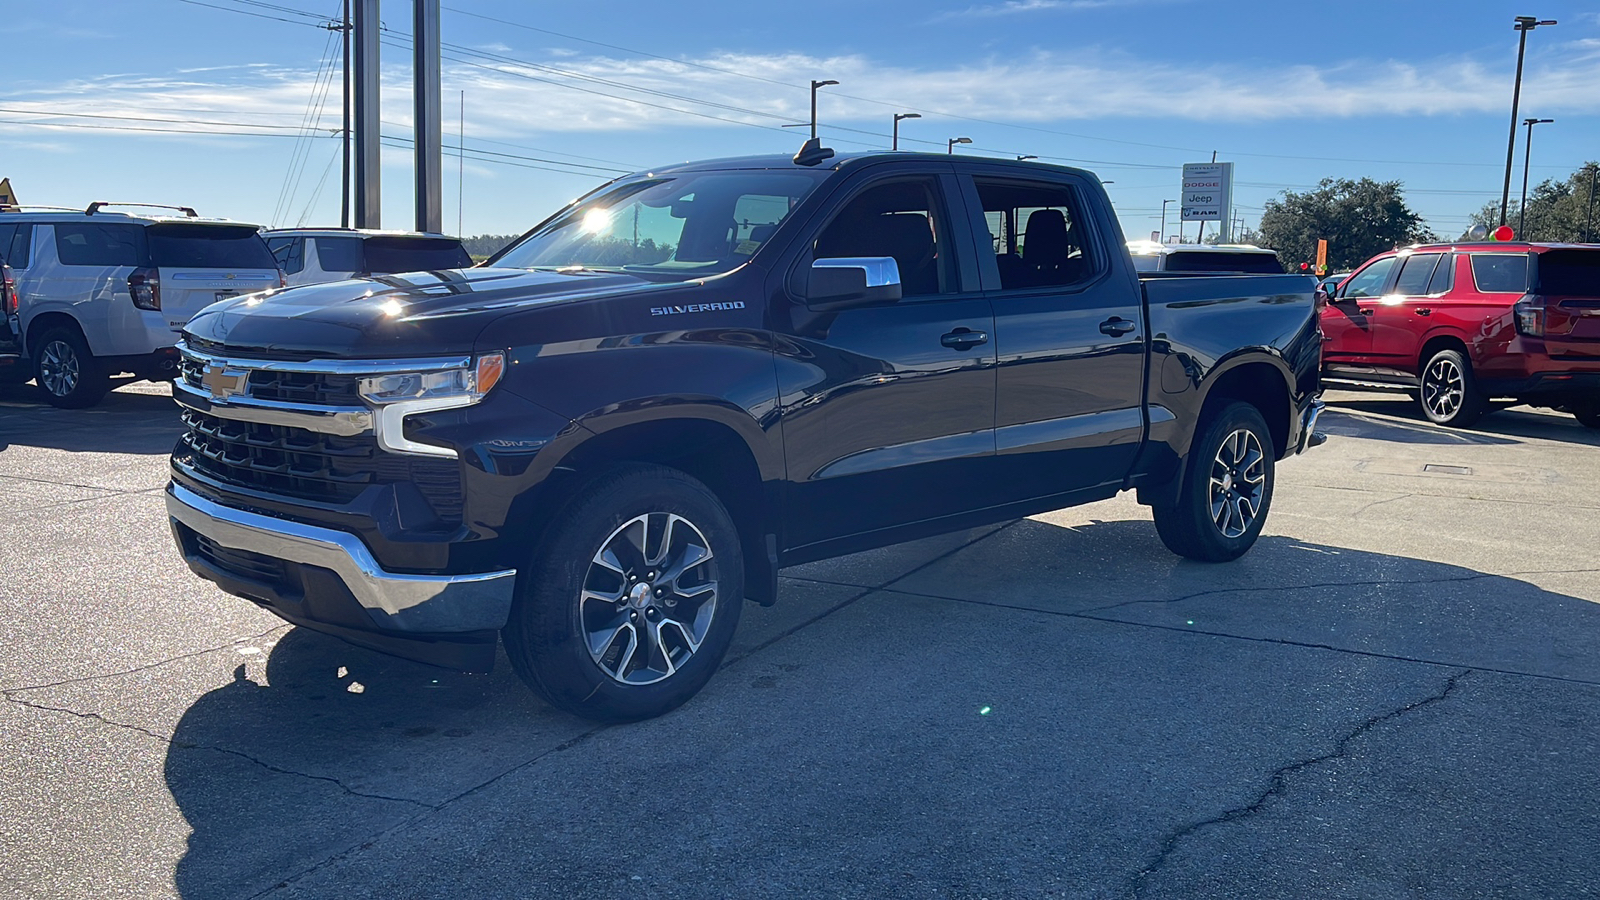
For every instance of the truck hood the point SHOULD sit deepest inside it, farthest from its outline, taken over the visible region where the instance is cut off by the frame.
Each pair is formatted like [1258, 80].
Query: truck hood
[413, 314]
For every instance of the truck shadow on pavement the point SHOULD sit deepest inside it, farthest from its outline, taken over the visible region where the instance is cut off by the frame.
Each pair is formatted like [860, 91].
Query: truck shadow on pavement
[142, 422]
[1403, 422]
[835, 760]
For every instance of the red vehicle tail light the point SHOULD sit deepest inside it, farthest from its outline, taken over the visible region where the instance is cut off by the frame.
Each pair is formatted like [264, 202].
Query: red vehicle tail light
[145, 287]
[8, 293]
[1529, 314]
[283, 280]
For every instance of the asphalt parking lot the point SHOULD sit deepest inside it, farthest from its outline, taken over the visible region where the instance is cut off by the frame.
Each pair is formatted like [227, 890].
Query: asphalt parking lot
[1396, 694]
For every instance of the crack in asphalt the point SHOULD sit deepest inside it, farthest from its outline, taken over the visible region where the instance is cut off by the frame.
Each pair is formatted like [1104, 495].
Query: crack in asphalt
[182, 745]
[1278, 782]
[1368, 506]
[7, 692]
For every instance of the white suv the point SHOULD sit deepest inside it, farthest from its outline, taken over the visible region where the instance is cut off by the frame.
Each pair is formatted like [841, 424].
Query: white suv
[315, 255]
[99, 293]
[1151, 256]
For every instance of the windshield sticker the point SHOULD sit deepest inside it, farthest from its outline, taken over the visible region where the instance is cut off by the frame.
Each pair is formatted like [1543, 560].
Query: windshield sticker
[747, 247]
[694, 308]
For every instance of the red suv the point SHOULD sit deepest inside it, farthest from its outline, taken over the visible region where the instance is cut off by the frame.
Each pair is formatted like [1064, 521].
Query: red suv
[1460, 325]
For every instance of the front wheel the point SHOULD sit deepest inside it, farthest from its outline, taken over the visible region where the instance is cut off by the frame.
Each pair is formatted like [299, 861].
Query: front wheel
[65, 370]
[1226, 491]
[632, 599]
[1450, 394]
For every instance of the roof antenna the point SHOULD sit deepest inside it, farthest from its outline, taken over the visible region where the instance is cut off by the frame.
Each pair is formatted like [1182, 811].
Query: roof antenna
[812, 152]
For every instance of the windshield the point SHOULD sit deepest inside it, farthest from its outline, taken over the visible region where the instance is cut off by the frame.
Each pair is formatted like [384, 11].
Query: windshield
[689, 226]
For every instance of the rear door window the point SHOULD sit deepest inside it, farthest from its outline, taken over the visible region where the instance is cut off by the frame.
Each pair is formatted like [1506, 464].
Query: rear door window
[101, 244]
[1569, 273]
[405, 254]
[1500, 273]
[1036, 232]
[209, 247]
[1368, 282]
[1444, 277]
[1416, 274]
[339, 254]
[8, 245]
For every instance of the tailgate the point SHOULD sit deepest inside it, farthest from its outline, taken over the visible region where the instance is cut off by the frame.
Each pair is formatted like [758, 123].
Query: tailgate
[1569, 281]
[185, 292]
[201, 263]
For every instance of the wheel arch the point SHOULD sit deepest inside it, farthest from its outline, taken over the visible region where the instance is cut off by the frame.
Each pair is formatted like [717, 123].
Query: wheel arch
[1261, 380]
[43, 322]
[699, 441]
[1442, 340]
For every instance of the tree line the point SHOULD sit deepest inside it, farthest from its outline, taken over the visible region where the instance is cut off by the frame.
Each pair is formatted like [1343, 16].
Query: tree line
[1361, 218]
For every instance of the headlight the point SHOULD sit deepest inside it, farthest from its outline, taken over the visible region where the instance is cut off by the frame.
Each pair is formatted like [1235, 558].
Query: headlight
[398, 395]
[466, 384]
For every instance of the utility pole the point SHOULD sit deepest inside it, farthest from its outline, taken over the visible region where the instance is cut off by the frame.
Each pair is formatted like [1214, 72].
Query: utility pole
[426, 114]
[1164, 219]
[368, 193]
[1524, 25]
[344, 135]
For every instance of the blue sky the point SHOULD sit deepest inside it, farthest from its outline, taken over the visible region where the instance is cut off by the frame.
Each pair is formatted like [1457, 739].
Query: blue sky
[559, 97]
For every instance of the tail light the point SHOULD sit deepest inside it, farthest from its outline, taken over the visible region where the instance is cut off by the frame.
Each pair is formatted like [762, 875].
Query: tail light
[1529, 313]
[283, 280]
[145, 286]
[8, 292]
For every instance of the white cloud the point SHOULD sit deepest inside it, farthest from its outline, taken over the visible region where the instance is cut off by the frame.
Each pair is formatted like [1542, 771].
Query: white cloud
[567, 95]
[1014, 7]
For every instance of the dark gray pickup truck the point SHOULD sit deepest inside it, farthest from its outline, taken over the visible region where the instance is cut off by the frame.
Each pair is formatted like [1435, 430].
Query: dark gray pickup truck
[598, 444]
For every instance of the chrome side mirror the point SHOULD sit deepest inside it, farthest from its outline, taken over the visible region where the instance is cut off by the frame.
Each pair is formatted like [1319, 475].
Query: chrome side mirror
[849, 282]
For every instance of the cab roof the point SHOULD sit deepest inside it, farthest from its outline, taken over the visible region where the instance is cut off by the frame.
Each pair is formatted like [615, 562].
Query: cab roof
[843, 161]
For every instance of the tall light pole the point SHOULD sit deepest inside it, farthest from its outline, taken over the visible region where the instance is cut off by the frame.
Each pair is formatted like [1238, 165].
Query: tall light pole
[1164, 219]
[1527, 149]
[950, 145]
[897, 118]
[814, 86]
[1524, 25]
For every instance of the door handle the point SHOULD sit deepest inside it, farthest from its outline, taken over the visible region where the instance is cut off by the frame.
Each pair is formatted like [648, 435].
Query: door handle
[1364, 310]
[1424, 311]
[1116, 326]
[964, 339]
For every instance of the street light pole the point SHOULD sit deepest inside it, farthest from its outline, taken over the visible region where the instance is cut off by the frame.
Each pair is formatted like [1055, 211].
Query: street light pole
[814, 86]
[1024, 156]
[1524, 25]
[950, 145]
[1164, 219]
[1527, 150]
[897, 118]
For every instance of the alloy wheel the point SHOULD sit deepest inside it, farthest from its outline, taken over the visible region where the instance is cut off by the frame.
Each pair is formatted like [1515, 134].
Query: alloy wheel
[648, 598]
[1238, 483]
[1443, 388]
[59, 368]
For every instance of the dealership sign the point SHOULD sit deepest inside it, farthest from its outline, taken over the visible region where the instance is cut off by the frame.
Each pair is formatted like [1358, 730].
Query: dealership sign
[1208, 193]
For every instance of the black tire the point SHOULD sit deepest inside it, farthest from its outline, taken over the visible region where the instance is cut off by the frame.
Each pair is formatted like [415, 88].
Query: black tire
[1450, 393]
[68, 375]
[571, 597]
[1587, 412]
[1230, 471]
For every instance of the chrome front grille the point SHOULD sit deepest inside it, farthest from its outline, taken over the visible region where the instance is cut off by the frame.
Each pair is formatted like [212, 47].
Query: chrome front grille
[301, 431]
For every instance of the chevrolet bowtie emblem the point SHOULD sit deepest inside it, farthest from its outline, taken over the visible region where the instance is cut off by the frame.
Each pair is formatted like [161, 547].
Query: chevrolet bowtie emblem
[222, 382]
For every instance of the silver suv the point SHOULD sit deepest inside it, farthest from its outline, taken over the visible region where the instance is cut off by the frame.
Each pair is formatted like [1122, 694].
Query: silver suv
[315, 255]
[100, 293]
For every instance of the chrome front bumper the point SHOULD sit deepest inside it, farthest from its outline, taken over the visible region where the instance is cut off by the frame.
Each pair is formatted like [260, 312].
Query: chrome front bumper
[396, 603]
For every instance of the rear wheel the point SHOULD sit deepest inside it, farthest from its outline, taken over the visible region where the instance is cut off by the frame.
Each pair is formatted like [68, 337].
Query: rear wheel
[1450, 394]
[65, 370]
[1227, 488]
[633, 598]
[1587, 412]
